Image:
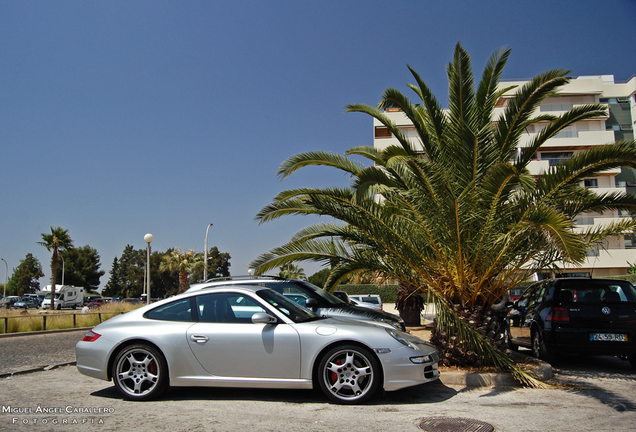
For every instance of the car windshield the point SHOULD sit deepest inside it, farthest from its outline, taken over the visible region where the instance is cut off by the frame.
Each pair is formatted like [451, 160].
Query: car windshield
[296, 289]
[290, 309]
[592, 291]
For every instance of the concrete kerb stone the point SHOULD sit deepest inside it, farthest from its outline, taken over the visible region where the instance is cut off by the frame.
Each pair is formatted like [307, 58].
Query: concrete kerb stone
[542, 371]
[7, 335]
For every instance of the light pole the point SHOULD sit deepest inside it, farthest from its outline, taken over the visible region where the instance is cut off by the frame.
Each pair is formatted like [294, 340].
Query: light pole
[205, 248]
[148, 238]
[6, 274]
[62, 270]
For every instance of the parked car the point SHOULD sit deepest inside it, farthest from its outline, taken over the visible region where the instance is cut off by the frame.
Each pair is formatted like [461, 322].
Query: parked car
[26, 303]
[309, 296]
[96, 303]
[251, 336]
[8, 301]
[515, 293]
[342, 296]
[371, 301]
[135, 301]
[91, 298]
[575, 316]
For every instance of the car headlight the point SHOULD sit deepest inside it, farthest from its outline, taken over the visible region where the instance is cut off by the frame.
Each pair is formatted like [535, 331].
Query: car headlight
[421, 359]
[401, 340]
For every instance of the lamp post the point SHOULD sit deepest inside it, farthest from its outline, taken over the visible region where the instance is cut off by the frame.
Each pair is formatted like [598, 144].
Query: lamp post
[6, 274]
[205, 260]
[148, 238]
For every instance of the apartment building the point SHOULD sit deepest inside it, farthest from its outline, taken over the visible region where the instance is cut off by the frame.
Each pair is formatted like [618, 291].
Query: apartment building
[620, 98]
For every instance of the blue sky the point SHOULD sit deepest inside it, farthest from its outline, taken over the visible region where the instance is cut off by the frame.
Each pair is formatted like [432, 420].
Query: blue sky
[121, 118]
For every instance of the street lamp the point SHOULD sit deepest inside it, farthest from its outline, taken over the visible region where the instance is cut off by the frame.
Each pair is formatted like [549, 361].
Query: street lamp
[205, 248]
[6, 274]
[148, 238]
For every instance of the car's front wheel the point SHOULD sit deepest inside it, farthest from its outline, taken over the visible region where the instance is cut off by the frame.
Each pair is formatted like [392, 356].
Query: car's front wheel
[508, 339]
[140, 372]
[349, 374]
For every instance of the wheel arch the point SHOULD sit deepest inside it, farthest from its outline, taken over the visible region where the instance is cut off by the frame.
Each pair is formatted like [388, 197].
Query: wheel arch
[128, 343]
[327, 348]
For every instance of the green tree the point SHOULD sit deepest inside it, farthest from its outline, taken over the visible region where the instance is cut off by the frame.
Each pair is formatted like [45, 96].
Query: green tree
[57, 240]
[183, 262]
[291, 271]
[320, 277]
[127, 274]
[218, 266]
[25, 277]
[455, 212]
[81, 267]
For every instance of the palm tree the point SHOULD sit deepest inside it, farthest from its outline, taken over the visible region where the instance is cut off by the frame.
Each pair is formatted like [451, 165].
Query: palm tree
[455, 212]
[183, 262]
[292, 271]
[58, 240]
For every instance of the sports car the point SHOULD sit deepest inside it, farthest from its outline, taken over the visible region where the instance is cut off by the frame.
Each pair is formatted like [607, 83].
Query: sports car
[251, 336]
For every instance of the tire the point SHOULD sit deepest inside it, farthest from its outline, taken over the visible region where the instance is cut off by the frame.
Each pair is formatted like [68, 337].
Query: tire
[140, 372]
[539, 349]
[508, 338]
[58, 307]
[349, 374]
[632, 360]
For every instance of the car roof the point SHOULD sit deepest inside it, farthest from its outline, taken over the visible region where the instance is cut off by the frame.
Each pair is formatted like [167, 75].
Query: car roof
[238, 280]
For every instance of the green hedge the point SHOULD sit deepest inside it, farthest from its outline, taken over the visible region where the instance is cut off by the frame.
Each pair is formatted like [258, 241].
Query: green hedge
[388, 293]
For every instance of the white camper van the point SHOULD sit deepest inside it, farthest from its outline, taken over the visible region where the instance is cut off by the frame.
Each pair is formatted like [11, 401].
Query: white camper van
[66, 296]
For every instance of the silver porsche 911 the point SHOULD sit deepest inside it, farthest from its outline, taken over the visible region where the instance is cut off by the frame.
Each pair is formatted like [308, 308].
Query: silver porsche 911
[250, 336]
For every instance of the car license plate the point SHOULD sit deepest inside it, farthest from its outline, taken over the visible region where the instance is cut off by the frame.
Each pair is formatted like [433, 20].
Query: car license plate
[611, 337]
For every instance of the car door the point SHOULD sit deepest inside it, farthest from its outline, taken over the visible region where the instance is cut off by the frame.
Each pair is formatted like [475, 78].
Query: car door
[520, 317]
[227, 343]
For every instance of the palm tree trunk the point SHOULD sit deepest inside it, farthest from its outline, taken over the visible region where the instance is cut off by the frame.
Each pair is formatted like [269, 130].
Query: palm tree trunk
[455, 351]
[183, 281]
[410, 304]
[53, 277]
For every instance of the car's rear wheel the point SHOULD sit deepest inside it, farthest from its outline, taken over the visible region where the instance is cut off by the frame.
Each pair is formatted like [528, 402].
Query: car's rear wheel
[349, 374]
[140, 372]
[632, 360]
[539, 349]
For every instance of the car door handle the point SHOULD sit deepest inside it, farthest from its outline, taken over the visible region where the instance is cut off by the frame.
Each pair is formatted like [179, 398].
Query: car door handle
[200, 339]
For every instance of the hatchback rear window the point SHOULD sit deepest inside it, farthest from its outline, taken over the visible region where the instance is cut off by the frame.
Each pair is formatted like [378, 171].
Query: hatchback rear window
[595, 292]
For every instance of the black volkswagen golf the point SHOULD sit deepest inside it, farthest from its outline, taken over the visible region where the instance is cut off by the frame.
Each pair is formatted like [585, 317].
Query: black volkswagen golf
[575, 316]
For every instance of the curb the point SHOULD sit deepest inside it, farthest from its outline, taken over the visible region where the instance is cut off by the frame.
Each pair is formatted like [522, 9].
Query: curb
[9, 375]
[40, 332]
[501, 379]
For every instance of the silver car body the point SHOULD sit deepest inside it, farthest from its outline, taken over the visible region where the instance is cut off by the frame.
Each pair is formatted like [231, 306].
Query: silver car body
[284, 354]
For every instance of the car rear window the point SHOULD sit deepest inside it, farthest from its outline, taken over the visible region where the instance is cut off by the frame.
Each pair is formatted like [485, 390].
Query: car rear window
[596, 292]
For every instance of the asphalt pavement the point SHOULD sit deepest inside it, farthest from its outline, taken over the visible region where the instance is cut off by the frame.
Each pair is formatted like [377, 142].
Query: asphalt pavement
[586, 394]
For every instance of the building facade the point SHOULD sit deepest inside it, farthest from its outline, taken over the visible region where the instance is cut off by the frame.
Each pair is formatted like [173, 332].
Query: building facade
[618, 253]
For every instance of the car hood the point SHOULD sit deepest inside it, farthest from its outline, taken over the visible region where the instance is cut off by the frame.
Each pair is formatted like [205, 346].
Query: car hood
[356, 312]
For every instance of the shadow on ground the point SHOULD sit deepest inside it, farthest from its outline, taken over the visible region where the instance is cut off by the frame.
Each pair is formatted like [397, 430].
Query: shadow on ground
[423, 394]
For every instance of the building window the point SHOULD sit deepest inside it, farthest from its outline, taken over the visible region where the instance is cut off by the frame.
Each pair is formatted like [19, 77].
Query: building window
[556, 107]
[556, 158]
[382, 132]
[630, 241]
[591, 183]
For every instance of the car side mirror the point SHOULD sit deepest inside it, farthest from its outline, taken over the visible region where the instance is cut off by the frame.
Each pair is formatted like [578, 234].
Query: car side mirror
[311, 303]
[263, 318]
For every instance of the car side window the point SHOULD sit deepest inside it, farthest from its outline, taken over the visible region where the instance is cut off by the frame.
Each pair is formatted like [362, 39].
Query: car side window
[524, 300]
[537, 295]
[179, 310]
[227, 308]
